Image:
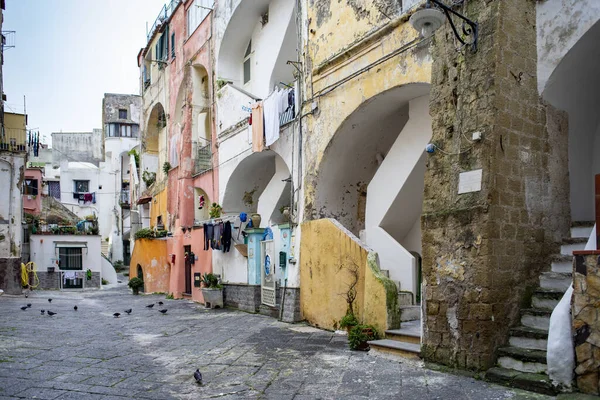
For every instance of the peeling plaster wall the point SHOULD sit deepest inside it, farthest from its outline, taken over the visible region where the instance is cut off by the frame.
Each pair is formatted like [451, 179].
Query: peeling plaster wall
[12, 168]
[80, 146]
[151, 255]
[44, 251]
[560, 24]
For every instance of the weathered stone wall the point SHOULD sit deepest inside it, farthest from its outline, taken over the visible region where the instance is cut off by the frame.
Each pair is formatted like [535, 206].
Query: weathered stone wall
[291, 305]
[585, 304]
[10, 275]
[51, 280]
[243, 297]
[483, 251]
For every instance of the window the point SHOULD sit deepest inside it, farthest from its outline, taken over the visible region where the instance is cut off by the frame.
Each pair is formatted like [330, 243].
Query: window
[173, 45]
[196, 14]
[82, 186]
[70, 258]
[31, 187]
[122, 113]
[122, 130]
[247, 63]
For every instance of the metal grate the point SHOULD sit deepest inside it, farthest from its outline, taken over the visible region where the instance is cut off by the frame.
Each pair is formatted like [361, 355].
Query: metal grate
[268, 296]
[70, 258]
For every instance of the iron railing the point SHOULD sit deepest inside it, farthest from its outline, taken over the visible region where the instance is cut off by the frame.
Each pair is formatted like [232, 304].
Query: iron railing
[163, 16]
[203, 160]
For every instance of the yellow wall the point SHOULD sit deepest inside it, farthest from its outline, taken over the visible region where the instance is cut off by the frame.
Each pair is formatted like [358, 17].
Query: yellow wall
[328, 251]
[159, 207]
[14, 121]
[152, 255]
[336, 53]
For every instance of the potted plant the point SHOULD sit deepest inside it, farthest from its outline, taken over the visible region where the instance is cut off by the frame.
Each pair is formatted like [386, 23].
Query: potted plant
[215, 210]
[212, 291]
[166, 167]
[360, 335]
[136, 284]
[348, 322]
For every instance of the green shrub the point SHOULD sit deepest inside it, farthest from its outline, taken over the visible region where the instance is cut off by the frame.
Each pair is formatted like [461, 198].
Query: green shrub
[149, 178]
[211, 281]
[104, 281]
[166, 167]
[361, 334]
[348, 321]
[215, 210]
[160, 234]
[135, 284]
[170, 296]
[144, 233]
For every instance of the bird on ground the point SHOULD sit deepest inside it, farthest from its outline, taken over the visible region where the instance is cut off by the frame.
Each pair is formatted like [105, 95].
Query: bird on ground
[117, 314]
[150, 305]
[128, 311]
[28, 305]
[49, 300]
[163, 311]
[160, 303]
[50, 313]
[24, 308]
[198, 377]
[26, 295]
[75, 308]
[42, 311]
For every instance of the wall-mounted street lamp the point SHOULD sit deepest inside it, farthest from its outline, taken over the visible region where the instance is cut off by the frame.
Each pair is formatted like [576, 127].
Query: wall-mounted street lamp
[427, 20]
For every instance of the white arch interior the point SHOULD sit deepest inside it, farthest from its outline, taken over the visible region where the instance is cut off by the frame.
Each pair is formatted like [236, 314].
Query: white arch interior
[574, 87]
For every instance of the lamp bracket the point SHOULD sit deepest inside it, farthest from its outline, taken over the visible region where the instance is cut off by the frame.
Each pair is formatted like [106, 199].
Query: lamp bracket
[469, 27]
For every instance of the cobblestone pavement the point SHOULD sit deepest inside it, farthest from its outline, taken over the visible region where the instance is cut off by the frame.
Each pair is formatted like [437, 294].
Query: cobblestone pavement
[90, 354]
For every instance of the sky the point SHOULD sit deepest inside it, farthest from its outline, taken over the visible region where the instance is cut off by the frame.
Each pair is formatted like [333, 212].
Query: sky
[68, 54]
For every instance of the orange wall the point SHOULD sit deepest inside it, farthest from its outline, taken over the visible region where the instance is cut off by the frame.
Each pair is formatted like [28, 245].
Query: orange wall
[152, 255]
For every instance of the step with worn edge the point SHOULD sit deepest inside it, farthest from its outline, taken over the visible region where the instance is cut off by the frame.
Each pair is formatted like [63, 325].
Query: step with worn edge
[539, 383]
[395, 348]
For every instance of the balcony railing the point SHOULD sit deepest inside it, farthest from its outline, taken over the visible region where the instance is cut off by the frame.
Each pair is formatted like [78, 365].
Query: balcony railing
[203, 160]
[164, 15]
[13, 140]
[125, 199]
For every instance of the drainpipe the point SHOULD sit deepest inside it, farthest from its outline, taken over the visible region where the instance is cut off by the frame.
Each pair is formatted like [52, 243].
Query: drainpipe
[282, 300]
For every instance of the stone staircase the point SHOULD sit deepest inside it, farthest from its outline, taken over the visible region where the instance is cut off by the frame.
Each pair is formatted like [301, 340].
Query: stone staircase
[404, 342]
[104, 248]
[522, 363]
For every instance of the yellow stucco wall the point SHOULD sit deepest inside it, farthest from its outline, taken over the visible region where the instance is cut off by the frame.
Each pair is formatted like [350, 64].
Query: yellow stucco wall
[158, 206]
[335, 54]
[151, 255]
[328, 252]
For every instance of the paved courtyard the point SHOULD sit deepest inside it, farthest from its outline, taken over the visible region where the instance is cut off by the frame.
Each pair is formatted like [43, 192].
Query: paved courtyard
[90, 354]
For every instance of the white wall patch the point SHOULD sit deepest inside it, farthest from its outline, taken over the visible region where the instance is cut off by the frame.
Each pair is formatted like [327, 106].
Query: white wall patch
[470, 181]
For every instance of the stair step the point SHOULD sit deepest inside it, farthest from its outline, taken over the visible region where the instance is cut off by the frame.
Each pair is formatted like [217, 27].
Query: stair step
[404, 335]
[533, 382]
[528, 338]
[410, 313]
[524, 360]
[556, 280]
[546, 299]
[394, 348]
[536, 318]
[405, 298]
[572, 244]
[583, 231]
[562, 263]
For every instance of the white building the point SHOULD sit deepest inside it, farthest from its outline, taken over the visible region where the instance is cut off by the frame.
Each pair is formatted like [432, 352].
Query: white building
[256, 48]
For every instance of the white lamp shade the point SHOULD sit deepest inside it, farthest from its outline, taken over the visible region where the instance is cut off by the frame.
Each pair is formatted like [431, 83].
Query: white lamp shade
[426, 21]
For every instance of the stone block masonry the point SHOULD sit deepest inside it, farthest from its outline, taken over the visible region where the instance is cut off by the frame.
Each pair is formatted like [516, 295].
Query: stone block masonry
[51, 280]
[247, 298]
[10, 275]
[585, 311]
[483, 251]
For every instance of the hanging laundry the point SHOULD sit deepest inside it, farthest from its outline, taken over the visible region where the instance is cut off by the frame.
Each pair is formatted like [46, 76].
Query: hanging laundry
[208, 236]
[258, 129]
[227, 237]
[200, 202]
[271, 110]
[88, 197]
[216, 242]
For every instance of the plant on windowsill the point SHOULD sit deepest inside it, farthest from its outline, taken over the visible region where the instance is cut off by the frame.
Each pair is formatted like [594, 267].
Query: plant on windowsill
[212, 291]
[166, 167]
[136, 284]
[360, 335]
[215, 210]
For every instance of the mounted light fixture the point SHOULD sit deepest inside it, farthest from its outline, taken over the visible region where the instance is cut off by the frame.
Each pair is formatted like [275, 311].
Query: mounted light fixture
[427, 20]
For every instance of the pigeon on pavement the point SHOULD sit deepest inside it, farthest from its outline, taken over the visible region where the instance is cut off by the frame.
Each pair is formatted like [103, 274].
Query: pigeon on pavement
[28, 305]
[117, 314]
[163, 311]
[75, 308]
[198, 377]
[150, 305]
[49, 300]
[26, 295]
[50, 313]
[128, 311]
[24, 308]
[42, 311]
[160, 303]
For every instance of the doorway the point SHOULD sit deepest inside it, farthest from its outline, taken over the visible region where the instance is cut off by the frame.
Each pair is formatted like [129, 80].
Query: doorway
[188, 269]
[140, 274]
